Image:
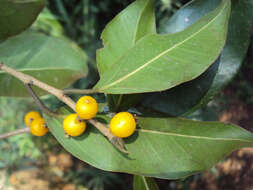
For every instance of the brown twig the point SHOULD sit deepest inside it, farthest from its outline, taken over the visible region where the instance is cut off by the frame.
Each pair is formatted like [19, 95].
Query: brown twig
[16, 132]
[39, 103]
[26, 79]
[80, 91]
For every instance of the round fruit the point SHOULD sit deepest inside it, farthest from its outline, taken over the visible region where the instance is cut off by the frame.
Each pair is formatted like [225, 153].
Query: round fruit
[30, 116]
[73, 126]
[122, 125]
[38, 127]
[86, 107]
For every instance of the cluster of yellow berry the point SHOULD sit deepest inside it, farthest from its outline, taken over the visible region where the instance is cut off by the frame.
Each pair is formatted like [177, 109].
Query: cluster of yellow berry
[37, 124]
[122, 124]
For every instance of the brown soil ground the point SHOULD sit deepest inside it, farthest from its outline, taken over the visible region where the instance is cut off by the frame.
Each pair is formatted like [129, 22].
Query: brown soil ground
[44, 177]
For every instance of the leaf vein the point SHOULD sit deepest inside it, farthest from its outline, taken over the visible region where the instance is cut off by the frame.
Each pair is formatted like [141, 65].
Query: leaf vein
[191, 136]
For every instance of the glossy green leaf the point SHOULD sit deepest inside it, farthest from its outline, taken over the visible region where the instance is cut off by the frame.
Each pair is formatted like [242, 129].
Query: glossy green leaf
[159, 62]
[54, 61]
[168, 148]
[122, 33]
[18, 15]
[130, 25]
[190, 96]
[144, 183]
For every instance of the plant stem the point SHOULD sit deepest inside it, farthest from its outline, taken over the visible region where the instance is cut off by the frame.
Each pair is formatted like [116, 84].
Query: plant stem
[118, 142]
[119, 102]
[16, 132]
[80, 91]
[28, 80]
[39, 102]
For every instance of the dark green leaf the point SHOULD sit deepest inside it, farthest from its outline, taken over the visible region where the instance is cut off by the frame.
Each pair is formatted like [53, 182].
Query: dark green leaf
[18, 15]
[159, 62]
[144, 183]
[190, 96]
[168, 148]
[54, 61]
[122, 102]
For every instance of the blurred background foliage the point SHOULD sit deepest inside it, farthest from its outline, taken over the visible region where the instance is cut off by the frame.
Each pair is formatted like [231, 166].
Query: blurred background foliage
[83, 21]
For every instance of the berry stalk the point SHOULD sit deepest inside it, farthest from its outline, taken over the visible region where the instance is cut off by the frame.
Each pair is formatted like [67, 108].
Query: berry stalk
[14, 133]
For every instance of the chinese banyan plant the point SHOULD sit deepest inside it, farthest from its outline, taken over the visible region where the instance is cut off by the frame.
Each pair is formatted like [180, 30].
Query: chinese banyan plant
[161, 77]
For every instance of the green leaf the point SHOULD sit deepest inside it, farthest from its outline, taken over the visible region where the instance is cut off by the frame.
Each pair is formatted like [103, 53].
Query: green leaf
[189, 96]
[134, 22]
[122, 33]
[18, 15]
[54, 61]
[167, 148]
[159, 62]
[144, 183]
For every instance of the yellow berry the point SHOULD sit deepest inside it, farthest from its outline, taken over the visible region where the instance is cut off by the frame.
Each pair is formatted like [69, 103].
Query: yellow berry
[86, 107]
[38, 127]
[30, 116]
[122, 125]
[73, 126]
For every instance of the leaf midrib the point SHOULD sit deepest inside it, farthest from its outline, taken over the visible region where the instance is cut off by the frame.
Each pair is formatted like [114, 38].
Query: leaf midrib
[192, 136]
[161, 54]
